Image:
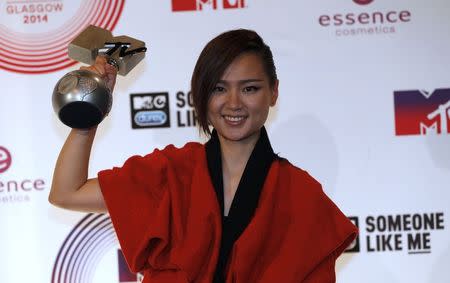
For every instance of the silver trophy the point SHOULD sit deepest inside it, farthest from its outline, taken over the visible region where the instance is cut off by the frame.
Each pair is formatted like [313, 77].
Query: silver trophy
[81, 98]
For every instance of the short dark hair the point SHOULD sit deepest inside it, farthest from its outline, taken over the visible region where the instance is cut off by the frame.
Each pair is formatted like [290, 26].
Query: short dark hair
[215, 58]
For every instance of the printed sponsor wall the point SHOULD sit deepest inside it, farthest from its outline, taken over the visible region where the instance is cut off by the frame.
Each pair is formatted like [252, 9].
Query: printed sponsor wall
[364, 107]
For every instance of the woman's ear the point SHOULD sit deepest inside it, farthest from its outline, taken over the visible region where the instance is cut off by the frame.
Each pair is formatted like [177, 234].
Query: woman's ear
[273, 99]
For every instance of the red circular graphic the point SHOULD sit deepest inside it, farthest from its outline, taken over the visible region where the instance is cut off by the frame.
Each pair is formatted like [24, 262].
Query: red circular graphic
[5, 159]
[45, 51]
[363, 2]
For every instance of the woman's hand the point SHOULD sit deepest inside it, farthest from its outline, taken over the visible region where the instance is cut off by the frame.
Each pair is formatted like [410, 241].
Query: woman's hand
[107, 71]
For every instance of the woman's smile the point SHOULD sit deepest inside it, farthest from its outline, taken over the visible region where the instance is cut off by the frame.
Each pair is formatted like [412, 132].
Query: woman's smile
[234, 120]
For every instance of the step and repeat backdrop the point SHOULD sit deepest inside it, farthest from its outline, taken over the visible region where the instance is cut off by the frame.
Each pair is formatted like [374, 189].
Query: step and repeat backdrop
[364, 107]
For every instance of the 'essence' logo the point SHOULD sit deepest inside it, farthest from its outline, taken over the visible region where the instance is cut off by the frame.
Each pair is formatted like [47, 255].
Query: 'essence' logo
[17, 190]
[5, 159]
[363, 2]
[369, 21]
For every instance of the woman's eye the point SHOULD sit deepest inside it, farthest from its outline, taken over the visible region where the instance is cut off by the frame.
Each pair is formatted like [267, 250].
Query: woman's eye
[218, 89]
[250, 88]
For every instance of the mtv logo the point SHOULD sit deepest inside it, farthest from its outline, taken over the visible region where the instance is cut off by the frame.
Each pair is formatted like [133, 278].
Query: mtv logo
[418, 112]
[199, 5]
[149, 102]
[150, 110]
[233, 4]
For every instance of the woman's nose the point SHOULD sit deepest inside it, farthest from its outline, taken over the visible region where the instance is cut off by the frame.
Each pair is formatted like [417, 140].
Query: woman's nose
[234, 99]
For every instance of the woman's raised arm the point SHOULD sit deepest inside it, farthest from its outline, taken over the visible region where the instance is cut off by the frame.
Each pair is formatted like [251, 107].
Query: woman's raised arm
[71, 188]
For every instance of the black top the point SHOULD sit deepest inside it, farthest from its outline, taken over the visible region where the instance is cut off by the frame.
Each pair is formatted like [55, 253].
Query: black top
[247, 195]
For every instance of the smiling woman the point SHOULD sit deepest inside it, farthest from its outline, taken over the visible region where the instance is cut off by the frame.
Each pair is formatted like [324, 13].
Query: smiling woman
[230, 210]
[220, 58]
[239, 104]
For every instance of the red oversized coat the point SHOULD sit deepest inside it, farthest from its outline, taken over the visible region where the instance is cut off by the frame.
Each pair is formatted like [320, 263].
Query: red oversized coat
[168, 222]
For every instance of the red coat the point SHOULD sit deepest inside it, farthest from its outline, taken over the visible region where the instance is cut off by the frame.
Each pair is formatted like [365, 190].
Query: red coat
[168, 222]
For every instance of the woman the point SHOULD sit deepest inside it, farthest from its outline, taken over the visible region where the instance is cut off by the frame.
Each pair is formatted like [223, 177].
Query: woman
[227, 211]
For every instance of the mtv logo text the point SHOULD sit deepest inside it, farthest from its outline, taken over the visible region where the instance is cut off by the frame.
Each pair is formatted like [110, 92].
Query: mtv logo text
[199, 5]
[418, 112]
[150, 110]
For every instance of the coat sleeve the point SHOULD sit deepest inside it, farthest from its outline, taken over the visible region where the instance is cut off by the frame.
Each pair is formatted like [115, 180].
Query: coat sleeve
[324, 272]
[333, 232]
[136, 199]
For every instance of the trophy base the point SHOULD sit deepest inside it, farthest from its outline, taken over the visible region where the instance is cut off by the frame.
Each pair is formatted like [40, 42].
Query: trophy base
[80, 115]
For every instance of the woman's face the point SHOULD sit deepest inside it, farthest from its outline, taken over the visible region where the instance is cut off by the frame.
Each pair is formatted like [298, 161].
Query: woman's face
[240, 102]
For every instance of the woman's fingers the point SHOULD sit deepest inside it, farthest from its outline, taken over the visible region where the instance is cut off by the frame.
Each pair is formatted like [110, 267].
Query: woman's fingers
[110, 76]
[106, 71]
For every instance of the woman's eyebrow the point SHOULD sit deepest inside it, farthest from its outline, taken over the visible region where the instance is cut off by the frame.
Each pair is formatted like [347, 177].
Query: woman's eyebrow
[241, 81]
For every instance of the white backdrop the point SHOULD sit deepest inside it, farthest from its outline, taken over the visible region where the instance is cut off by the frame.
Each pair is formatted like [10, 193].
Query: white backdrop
[358, 80]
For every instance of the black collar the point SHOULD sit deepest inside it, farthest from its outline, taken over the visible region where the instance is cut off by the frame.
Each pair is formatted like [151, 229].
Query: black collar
[248, 192]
